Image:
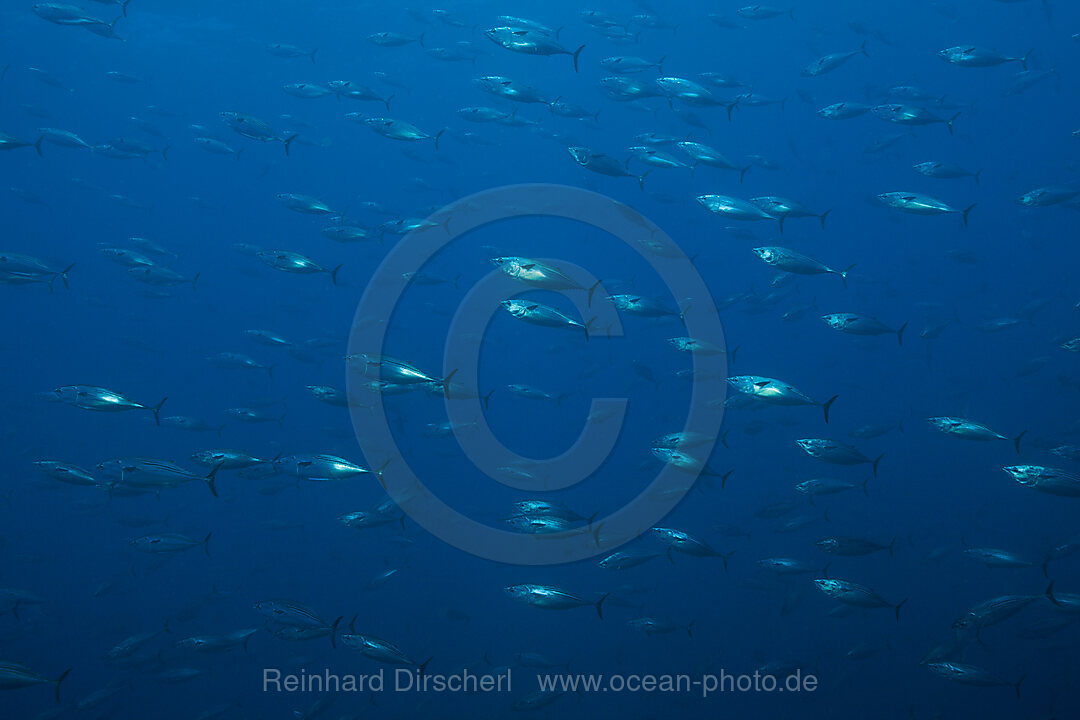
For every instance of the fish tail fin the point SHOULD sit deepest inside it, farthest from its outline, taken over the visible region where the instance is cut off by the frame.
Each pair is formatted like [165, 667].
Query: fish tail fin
[577, 53]
[742, 173]
[334, 629]
[281, 420]
[1016, 441]
[312, 56]
[210, 483]
[977, 174]
[600, 605]
[725, 558]
[1018, 684]
[967, 210]
[723, 440]
[386, 102]
[1024, 62]
[690, 629]
[591, 290]
[825, 570]
[1045, 564]
[64, 674]
[206, 543]
[863, 49]
[437, 136]
[730, 108]
[333, 274]
[1050, 593]
[876, 461]
[586, 327]
[165, 152]
[898, 606]
[823, 216]
[866, 489]
[781, 221]
[37, 146]
[270, 370]
[827, 405]
[157, 410]
[487, 398]
[892, 547]
[446, 383]
[641, 180]
[423, 666]
[791, 12]
[844, 274]
[63, 275]
[220, 428]
[123, 7]
[660, 65]
[950, 121]
[288, 141]
[195, 282]
[421, 41]
[900, 334]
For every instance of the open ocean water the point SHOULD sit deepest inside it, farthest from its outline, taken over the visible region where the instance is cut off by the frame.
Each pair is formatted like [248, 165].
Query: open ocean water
[634, 360]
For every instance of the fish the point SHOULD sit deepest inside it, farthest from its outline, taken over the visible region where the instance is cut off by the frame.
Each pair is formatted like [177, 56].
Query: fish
[99, 399]
[843, 111]
[603, 164]
[629, 64]
[975, 56]
[656, 626]
[255, 129]
[319, 467]
[734, 208]
[15, 675]
[830, 62]
[776, 392]
[945, 171]
[911, 115]
[919, 204]
[1053, 481]
[684, 542]
[855, 324]
[397, 129]
[170, 543]
[381, 651]
[970, 675]
[549, 597]
[67, 473]
[971, 430]
[530, 42]
[293, 262]
[793, 262]
[851, 593]
[626, 560]
[543, 315]
[849, 546]
[290, 51]
[836, 453]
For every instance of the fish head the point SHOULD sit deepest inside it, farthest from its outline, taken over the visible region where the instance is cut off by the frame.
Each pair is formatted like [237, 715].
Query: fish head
[581, 155]
[767, 254]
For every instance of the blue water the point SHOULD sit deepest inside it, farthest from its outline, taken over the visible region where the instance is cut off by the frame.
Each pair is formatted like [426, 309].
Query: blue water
[276, 536]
